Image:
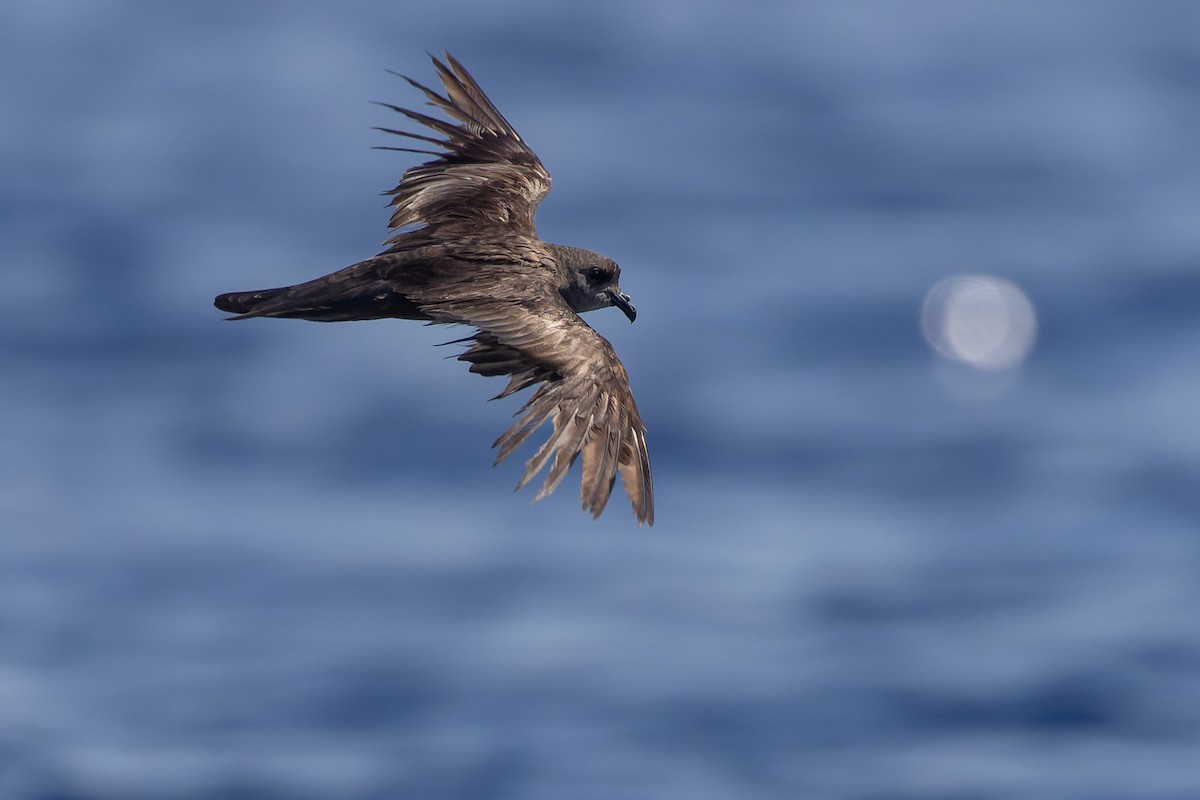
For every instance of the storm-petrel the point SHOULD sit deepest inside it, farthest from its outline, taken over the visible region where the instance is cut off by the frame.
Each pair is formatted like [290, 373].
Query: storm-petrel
[465, 251]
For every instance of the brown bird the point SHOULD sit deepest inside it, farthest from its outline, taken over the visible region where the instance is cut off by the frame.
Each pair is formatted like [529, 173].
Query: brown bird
[465, 251]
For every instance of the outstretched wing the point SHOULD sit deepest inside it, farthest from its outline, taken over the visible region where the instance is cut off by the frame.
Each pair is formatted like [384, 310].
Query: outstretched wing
[484, 174]
[584, 391]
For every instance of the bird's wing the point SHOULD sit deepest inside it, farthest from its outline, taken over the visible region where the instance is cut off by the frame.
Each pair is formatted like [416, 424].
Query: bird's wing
[484, 174]
[584, 390]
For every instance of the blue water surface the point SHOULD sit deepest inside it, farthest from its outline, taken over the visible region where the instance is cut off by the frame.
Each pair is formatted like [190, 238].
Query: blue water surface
[272, 559]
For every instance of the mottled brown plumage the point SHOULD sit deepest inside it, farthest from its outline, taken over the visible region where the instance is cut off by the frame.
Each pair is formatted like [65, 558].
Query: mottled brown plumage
[465, 250]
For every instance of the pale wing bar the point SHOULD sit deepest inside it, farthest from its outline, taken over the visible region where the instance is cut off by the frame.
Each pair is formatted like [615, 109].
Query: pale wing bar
[584, 392]
[485, 174]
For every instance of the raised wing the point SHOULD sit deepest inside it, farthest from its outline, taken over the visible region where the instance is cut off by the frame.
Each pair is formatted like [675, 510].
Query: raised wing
[484, 174]
[584, 391]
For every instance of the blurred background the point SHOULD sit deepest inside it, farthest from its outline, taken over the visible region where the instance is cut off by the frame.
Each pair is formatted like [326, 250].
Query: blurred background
[917, 347]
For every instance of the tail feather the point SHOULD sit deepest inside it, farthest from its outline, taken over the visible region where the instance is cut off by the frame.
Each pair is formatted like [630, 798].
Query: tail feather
[243, 304]
[366, 290]
[322, 300]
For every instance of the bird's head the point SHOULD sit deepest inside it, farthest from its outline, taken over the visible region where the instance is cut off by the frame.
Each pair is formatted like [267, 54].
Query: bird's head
[591, 281]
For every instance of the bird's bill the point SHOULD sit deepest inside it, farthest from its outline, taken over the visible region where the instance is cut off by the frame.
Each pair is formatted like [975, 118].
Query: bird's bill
[621, 301]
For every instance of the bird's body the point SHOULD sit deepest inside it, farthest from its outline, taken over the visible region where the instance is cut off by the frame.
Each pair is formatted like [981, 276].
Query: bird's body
[476, 259]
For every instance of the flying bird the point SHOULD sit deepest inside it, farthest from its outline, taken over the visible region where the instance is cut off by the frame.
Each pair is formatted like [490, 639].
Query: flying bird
[464, 250]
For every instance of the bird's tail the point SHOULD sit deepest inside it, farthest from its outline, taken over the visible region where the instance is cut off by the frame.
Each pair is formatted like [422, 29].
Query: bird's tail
[248, 304]
[338, 297]
[319, 301]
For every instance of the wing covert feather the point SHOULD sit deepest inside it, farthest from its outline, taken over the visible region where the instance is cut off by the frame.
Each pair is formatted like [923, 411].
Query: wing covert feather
[583, 391]
[484, 174]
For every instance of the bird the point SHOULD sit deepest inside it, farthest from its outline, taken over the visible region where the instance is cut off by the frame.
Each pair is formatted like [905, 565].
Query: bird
[464, 250]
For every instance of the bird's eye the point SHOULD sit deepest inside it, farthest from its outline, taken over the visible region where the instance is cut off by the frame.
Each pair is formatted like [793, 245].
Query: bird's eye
[597, 274]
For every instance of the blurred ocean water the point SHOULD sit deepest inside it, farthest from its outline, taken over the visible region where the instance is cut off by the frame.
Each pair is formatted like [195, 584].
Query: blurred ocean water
[272, 559]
